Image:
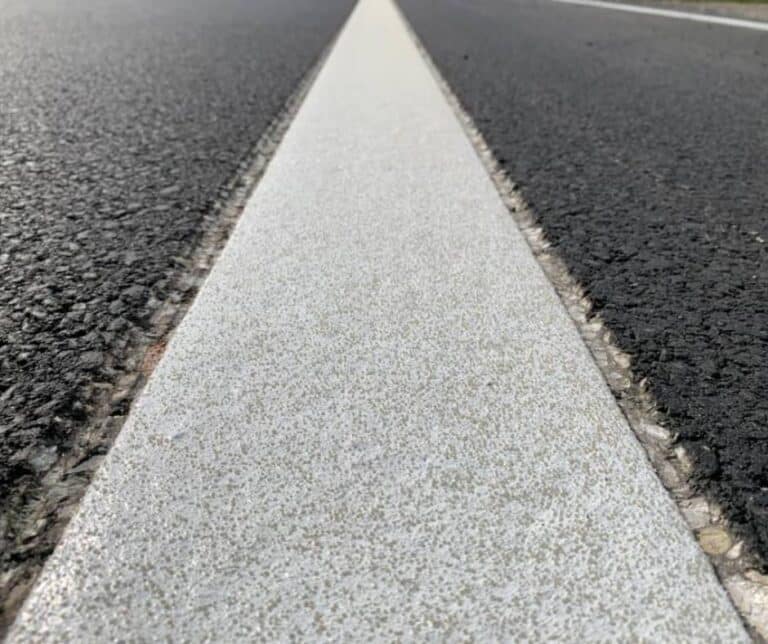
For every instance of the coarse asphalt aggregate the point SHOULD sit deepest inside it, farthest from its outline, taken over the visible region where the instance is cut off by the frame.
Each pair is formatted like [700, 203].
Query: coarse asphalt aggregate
[121, 121]
[641, 143]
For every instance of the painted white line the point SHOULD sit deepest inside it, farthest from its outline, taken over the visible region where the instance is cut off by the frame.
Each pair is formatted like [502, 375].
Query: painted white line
[377, 422]
[671, 13]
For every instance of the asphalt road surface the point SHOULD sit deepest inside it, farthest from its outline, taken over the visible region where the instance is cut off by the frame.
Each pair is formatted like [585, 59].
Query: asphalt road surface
[121, 121]
[641, 144]
[639, 141]
[355, 406]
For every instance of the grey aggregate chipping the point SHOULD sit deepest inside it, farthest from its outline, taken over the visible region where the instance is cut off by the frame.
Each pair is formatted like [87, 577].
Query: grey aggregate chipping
[377, 421]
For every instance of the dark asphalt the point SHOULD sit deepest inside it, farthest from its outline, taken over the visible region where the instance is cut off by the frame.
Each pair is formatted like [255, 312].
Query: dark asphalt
[642, 145]
[121, 122]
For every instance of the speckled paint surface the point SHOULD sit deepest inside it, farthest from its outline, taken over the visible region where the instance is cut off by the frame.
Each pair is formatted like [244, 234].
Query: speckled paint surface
[377, 422]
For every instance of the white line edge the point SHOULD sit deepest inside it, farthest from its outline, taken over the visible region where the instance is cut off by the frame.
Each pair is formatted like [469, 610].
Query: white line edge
[671, 13]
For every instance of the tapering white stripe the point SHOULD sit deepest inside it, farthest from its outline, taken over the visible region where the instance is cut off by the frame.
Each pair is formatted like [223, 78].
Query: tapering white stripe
[377, 422]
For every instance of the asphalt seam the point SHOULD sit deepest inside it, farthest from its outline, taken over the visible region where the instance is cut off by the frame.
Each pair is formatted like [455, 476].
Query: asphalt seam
[114, 406]
[732, 560]
[671, 13]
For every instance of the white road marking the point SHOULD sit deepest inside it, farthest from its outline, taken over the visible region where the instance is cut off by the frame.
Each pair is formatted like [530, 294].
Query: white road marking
[377, 422]
[672, 13]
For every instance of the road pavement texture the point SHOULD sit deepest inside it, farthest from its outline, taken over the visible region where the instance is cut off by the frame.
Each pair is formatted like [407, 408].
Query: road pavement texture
[121, 122]
[641, 143]
[377, 421]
